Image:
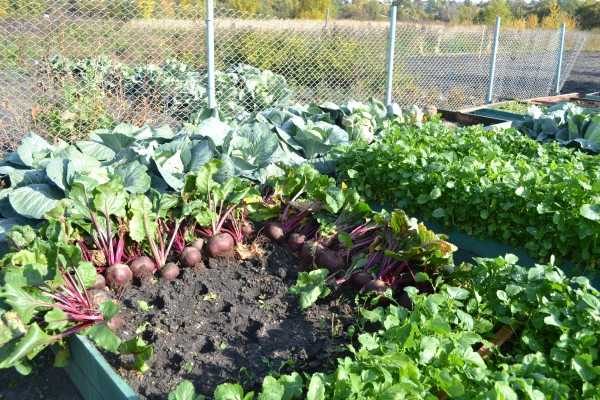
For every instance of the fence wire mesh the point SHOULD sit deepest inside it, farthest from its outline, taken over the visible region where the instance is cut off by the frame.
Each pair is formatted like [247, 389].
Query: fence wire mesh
[68, 66]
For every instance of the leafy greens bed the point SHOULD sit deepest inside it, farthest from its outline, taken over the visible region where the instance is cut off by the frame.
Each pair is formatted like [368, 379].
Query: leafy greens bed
[502, 186]
[495, 330]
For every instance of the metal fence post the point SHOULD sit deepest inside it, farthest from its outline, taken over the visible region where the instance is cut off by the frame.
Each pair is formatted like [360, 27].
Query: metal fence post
[559, 58]
[210, 54]
[390, 54]
[492, 76]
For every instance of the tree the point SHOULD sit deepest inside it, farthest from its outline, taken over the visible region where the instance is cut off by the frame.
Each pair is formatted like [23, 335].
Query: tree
[246, 6]
[556, 16]
[495, 8]
[145, 8]
[467, 13]
[589, 15]
[363, 9]
[315, 9]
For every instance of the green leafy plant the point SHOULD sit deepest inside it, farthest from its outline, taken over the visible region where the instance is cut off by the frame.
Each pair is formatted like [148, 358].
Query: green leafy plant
[503, 186]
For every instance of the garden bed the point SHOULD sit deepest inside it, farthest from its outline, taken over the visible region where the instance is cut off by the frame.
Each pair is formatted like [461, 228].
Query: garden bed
[234, 321]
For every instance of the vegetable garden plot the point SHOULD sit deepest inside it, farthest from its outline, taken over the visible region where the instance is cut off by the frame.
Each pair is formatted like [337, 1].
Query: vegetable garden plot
[175, 251]
[532, 195]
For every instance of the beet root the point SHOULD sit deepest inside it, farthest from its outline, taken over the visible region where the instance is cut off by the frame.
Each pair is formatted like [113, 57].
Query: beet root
[198, 244]
[170, 271]
[247, 229]
[191, 257]
[376, 286]
[118, 276]
[308, 251]
[142, 267]
[360, 279]
[329, 259]
[295, 241]
[274, 231]
[98, 296]
[116, 323]
[100, 282]
[220, 245]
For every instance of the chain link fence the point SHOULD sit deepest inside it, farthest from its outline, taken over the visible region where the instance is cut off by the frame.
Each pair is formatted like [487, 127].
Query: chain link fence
[68, 66]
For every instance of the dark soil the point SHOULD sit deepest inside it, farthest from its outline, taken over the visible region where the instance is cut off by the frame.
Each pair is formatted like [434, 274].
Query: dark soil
[45, 382]
[585, 75]
[231, 322]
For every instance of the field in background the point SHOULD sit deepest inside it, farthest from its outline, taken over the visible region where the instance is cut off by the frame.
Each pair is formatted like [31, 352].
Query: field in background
[335, 60]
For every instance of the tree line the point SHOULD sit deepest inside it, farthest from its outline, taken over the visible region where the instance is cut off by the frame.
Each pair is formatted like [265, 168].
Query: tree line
[584, 14]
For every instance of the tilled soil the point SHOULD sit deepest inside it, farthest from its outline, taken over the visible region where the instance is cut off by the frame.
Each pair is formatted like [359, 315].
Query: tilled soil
[231, 322]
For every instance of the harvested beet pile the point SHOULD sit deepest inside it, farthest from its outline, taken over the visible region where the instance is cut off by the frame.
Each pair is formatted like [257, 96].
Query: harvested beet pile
[232, 321]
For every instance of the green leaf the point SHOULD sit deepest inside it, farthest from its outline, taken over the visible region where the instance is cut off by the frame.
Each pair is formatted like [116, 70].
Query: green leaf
[110, 198]
[590, 211]
[62, 357]
[583, 364]
[429, 348]
[142, 223]
[439, 213]
[109, 309]
[34, 201]
[185, 391]
[436, 193]
[135, 177]
[310, 287]
[56, 319]
[457, 293]
[293, 386]
[87, 273]
[23, 301]
[229, 391]
[141, 351]
[316, 388]
[104, 337]
[504, 391]
[11, 327]
[271, 389]
[368, 341]
[28, 346]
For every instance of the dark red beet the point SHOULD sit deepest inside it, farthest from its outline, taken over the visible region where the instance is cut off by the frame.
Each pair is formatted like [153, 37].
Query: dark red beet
[198, 244]
[118, 276]
[274, 231]
[220, 245]
[404, 301]
[247, 229]
[375, 285]
[360, 279]
[142, 267]
[98, 296]
[307, 252]
[329, 259]
[191, 257]
[100, 283]
[116, 323]
[295, 241]
[170, 271]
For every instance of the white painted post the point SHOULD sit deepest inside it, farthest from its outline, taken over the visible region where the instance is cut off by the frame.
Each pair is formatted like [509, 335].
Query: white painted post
[210, 54]
[559, 58]
[490, 92]
[390, 55]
